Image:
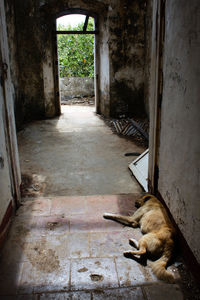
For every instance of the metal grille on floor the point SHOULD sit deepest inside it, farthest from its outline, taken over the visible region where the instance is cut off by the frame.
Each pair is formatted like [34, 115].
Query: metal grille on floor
[131, 128]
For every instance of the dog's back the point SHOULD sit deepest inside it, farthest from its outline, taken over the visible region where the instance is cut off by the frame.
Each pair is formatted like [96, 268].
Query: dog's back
[154, 217]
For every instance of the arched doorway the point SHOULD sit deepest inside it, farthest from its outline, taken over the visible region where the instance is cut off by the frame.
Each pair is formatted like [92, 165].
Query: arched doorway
[84, 29]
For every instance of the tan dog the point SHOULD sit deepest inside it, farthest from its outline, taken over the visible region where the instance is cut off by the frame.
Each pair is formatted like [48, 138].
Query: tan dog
[158, 232]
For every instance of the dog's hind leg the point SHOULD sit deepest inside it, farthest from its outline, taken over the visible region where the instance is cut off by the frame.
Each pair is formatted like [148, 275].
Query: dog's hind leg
[142, 249]
[134, 243]
[126, 220]
[142, 259]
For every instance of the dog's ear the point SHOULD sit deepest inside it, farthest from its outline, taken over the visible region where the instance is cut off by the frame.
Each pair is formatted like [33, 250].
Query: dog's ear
[147, 197]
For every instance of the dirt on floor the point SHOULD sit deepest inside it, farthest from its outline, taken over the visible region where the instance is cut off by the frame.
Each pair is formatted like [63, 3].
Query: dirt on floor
[42, 258]
[79, 101]
[188, 284]
[32, 185]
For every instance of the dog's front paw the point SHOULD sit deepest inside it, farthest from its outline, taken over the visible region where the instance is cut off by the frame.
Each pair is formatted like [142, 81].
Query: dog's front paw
[109, 215]
[134, 224]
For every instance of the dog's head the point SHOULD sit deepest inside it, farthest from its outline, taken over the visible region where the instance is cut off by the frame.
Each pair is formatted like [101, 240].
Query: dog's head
[141, 201]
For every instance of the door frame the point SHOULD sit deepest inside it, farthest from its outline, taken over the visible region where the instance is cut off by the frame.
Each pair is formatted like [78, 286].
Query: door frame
[96, 55]
[10, 127]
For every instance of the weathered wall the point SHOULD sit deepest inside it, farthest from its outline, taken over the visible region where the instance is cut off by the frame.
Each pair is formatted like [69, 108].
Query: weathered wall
[71, 87]
[126, 47]
[12, 41]
[9, 160]
[120, 65]
[179, 152]
[5, 180]
[147, 59]
[31, 44]
[103, 62]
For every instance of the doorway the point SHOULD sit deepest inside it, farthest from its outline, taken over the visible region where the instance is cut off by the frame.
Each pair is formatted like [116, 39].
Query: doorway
[76, 59]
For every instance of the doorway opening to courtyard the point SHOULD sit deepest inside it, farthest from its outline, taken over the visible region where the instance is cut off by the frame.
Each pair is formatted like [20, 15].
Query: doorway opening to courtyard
[76, 58]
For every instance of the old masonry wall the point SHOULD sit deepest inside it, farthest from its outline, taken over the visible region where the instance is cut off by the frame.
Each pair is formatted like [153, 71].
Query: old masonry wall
[120, 56]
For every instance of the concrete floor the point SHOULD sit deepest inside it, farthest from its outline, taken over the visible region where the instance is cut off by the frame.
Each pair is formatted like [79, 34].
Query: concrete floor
[76, 154]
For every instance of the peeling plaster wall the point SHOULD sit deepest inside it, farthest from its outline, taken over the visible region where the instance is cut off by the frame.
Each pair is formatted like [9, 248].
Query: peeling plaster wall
[126, 47]
[31, 43]
[12, 41]
[103, 106]
[120, 64]
[179, 153]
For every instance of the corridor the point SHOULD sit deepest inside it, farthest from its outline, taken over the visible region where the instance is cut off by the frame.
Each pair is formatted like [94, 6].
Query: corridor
[61, 168]
[59, 245]
[75, 154]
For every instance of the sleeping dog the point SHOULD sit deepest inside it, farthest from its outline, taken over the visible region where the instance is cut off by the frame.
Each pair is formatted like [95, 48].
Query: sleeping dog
[158, 238]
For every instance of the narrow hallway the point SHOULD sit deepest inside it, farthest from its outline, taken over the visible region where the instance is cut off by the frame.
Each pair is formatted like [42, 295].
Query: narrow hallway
[62, 168]
[63, 248]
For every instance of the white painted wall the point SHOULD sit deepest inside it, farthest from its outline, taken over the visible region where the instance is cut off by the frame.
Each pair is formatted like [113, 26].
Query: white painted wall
[179, 152]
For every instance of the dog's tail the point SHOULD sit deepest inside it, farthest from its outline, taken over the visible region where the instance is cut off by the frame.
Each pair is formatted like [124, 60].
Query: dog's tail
[159, 266]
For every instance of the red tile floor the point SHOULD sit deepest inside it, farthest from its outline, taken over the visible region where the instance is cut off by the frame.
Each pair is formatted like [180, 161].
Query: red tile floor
[62, 248]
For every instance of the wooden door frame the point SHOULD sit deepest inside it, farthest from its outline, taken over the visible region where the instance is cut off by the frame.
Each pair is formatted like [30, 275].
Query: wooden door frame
[156, 89]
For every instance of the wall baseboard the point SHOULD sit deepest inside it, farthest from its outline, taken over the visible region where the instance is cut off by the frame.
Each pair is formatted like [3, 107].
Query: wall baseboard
[5, 224]
[187, 254]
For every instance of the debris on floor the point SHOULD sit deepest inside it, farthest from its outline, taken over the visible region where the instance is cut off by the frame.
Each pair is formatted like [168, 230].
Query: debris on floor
[78, 101]
[132, 154]
[96, 277]
[189, 286]
[137, 129]
[130, 127]
[32, 185]
[139, 169]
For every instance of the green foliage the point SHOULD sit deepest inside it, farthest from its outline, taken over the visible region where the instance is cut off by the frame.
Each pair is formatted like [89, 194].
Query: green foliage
[76, 52]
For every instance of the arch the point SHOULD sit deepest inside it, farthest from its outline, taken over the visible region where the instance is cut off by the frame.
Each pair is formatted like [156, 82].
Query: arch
[83, 13]
[99, 11]
[71, 11]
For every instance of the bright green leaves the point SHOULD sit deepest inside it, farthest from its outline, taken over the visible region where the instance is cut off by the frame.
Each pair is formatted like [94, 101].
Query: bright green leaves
[76, 52]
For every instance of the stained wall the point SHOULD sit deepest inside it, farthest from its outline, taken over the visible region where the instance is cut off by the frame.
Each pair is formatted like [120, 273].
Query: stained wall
[179, 150]
[10, 177]
[120, 56]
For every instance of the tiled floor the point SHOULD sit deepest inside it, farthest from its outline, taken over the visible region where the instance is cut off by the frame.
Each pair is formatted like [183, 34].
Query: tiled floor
[62, 248]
